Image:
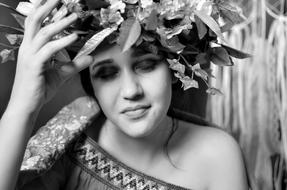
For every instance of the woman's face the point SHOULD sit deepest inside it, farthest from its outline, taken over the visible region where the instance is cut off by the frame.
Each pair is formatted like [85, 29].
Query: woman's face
[132, 88]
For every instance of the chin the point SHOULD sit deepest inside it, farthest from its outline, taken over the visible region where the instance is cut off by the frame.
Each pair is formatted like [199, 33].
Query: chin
[138, 129]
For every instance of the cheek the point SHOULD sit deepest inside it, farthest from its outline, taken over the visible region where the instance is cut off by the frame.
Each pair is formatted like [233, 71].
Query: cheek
[106, 95]
[159, 85]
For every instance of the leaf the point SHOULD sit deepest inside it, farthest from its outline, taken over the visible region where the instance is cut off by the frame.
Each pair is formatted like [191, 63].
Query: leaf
[214, 91]
[63, 56]
[7, 46]
[188, 82]
[7, 55]
[10, 8]
[202, 58]
[176, 65]
[10, 29]
[20, 19]
[172, 44]
[201, 27]
[236, 53]
[230, 12]
[130, 31]
[94, 41]
[210, 22]
[200, 72]
[219, 56]
[152, 22]
[14, 39]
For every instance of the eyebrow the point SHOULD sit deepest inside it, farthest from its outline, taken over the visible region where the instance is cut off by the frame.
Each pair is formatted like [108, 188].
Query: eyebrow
[147, 56]
[102, 62]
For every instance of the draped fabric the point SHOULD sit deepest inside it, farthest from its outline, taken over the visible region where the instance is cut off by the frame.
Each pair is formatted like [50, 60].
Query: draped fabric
[87, 166]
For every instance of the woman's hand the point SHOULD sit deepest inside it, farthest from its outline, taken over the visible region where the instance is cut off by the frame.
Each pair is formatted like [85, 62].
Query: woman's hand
[37, 80]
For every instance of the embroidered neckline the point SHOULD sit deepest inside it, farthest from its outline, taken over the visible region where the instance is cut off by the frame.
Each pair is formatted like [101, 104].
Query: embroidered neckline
[100, 164]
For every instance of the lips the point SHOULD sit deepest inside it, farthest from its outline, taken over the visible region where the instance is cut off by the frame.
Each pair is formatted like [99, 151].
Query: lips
[136, 112]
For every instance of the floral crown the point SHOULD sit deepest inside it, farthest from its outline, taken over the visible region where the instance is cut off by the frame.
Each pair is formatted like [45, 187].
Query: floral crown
[188, 32]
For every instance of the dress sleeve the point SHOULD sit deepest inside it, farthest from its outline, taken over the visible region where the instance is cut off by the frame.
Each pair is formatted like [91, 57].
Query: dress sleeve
[44, 163]
[52, 179]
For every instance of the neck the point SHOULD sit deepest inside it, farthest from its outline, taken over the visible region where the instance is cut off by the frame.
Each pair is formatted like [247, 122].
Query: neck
[135, 150]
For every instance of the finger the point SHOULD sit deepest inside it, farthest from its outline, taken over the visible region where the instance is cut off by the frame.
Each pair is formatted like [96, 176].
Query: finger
[34, 21]
[68, 69]
[53, 47]
[46, 33]
[38, 3]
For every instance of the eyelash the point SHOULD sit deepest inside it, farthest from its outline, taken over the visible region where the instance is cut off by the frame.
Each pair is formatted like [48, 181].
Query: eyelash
[110, 72]
[145, 66]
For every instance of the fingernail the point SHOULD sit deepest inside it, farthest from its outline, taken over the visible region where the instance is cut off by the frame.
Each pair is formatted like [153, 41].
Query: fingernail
[43, 2]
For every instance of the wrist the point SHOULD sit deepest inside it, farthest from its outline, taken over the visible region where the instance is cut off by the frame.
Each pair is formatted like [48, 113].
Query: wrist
[22, 109]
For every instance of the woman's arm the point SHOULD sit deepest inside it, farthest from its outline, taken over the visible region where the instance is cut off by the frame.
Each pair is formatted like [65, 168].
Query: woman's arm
[35, 83]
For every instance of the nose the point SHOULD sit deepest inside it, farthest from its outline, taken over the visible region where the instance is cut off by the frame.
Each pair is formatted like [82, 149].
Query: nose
[131, 88]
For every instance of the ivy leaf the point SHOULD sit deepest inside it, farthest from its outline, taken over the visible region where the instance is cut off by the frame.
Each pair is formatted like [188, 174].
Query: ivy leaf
[219, 56]
[200, 72]
[14, 39]
[188, 82]
[20, 19]
[214, 91]
[201, 27]
[202, 58]
[210, 22]
[10, 8]
[10, 29]
[231, 13]
[130, 31]
[94, 41]
[172, 44]
[7, 55]
[152, 22]
[176, 65]
[236, 53]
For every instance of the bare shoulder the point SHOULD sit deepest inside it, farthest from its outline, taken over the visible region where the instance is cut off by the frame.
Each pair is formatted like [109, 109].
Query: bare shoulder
[213, 153]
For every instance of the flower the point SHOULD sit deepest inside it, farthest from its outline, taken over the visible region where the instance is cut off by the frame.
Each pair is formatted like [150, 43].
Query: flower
[117, 5]
[111, 17]
[25, 8]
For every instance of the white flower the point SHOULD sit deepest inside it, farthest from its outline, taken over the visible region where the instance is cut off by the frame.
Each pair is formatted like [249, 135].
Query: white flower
[131, 1]
[26, 8]
[205, 6]
[70, 1]
[117, 5]
[146, 3]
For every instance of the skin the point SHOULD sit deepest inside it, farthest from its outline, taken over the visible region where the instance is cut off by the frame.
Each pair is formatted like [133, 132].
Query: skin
[206, 158]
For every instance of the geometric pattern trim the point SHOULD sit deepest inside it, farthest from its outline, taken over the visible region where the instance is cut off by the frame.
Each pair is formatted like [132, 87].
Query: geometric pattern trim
[100, 164]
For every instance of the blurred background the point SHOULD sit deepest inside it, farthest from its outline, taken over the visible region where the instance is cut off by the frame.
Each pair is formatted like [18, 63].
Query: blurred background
[254, 105]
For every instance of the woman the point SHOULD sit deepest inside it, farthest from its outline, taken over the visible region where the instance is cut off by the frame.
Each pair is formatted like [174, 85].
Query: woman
[133, 136]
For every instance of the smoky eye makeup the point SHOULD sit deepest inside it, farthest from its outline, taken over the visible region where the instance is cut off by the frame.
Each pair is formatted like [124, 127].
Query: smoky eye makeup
[104, 70]
[146, 63]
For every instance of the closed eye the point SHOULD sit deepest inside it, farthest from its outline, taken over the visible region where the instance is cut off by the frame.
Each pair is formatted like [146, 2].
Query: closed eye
[106, 73]
[145, 66]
